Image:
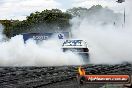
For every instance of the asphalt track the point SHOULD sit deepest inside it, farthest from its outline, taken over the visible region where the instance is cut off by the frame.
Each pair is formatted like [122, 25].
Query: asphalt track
[55, 77]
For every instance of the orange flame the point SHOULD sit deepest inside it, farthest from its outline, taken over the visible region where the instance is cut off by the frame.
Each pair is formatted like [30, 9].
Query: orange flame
[81, 71]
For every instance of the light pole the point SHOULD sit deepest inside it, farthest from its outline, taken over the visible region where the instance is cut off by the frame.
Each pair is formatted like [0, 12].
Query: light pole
[124, 16]
[121, 1]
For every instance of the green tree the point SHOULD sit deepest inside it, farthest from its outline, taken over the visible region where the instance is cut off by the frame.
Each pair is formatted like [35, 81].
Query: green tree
[47, 19]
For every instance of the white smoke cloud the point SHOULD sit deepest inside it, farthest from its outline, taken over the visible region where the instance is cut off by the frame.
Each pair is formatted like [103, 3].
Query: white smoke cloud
[108, 44]
[1, 33]
[48, 53]
[128, 15]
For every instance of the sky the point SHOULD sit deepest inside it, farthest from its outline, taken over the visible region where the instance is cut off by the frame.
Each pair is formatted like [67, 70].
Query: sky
[19, 9]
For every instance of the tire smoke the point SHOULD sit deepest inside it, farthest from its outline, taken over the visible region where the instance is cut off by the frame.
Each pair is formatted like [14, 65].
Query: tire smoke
[1, 35]
[109, 43]
[16, 53]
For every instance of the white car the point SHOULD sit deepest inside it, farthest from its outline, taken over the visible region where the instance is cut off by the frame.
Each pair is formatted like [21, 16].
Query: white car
[78, 47]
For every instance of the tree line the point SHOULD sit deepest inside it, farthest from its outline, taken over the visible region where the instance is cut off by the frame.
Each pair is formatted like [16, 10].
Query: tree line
[48, 20]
